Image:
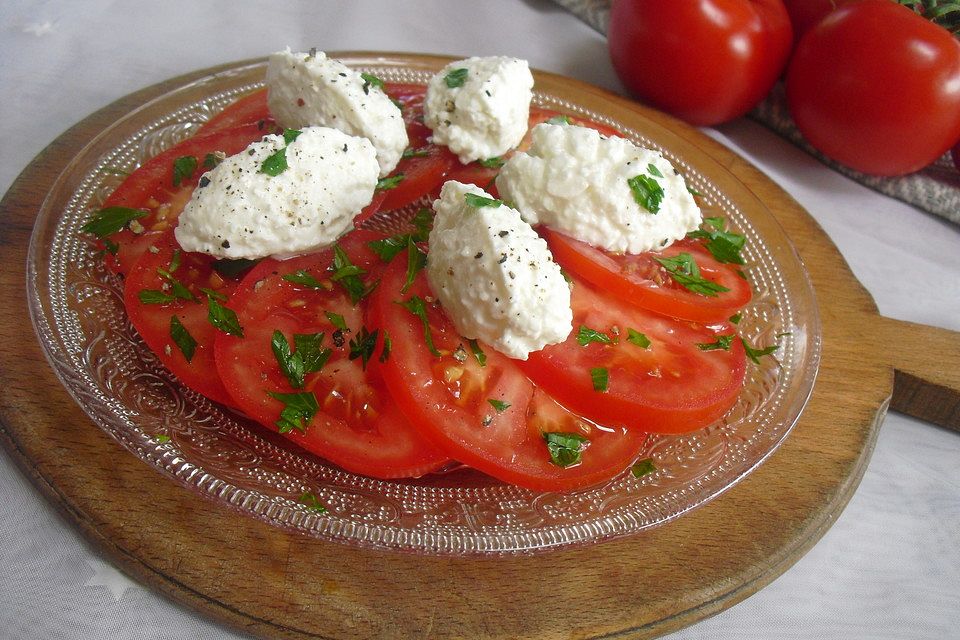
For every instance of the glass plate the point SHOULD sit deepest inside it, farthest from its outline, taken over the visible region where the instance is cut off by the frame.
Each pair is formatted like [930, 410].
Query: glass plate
[77, 311]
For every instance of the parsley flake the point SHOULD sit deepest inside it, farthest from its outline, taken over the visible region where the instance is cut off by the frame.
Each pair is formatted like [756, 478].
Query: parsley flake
[183, 168]
[646, 191]
[370, 80]
[643, 468]
[410, 152]
[756, 354]
[363, 345]
[560, 120]
[312, 502]
[111, 220]
[390, 182]
[223, 318]
[456, 78]
[416, 261]
[600, 378]
[685, 272]
[477, 352]
[587, 336]
[722, 343]
[637, 338]
[182, 338]
[492, 163]
[724, 245]
[418, 307]
[499, 405]
[347, 275]
[298, 409]
[478, 201]
[566, 449]
[336, 320]
[303, 278]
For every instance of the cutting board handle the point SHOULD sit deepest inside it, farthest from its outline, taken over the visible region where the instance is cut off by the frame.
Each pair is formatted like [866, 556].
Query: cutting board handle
[926, 364]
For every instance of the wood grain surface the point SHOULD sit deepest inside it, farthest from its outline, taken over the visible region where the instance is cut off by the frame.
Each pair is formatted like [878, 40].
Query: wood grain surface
[281, 585]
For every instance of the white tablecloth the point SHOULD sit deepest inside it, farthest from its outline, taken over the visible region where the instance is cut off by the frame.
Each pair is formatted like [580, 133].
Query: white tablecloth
[888, 568]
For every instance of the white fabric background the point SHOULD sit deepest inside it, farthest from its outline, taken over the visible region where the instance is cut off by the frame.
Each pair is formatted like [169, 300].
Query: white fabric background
[888, 568]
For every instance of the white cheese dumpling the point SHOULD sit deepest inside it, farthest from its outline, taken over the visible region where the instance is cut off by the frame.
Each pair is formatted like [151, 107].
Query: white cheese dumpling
[309, 89]
[280, 198]
[494, 276]
[607, 192]
[479, 107]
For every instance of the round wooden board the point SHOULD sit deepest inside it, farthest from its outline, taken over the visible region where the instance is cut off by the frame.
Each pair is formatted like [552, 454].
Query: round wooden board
[275, 584]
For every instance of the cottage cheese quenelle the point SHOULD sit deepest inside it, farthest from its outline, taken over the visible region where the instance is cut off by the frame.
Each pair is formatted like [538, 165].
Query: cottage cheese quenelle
[280, 199]
[607, 192]
[309, 89]
[493, 274]
[479, 107]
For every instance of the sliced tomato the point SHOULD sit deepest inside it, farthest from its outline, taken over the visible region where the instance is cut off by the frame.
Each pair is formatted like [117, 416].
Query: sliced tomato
[357, 425]
[188, 351]
[249, 109]
[488, 416]
[151, 187]
[642, 281]
[687, 377]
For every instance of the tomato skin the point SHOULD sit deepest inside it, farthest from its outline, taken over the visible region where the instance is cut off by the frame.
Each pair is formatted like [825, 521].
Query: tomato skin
[705, 61]
[877, 88]
[152, 321]
[640, 281]
[151, 187]
[249, 109]
[358, 426]
[671, 387]
[446, 400]
[805, 14]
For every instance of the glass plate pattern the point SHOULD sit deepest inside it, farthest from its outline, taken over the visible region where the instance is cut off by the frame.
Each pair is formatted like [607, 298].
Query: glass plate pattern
[78, 314]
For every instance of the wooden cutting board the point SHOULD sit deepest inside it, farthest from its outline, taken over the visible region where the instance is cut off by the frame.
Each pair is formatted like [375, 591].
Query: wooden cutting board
[275, 584]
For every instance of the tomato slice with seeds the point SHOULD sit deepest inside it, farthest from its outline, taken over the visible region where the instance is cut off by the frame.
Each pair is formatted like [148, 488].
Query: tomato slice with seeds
[357, 425]
[249, 109]
[488, 416]
[672, 385]
[151, 188]
[642, 281]
[152, 299]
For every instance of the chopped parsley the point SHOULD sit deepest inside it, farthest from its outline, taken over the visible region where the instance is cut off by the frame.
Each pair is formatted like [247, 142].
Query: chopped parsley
[416, 261]
[347, 275]
[390, 182]
[362, 346]
[560, 120]
[387, 347]
[724, 245]
[566, 449]
[370, 80]
[276, 162]
[652, 170]
[162, 438]
[492, 163]
[736, 318]
[298, 409]
[304, 278]
[499, 405]
[722, 343]
[646, 191]
[183, 168]
[637, 338]
[410, 152]
[643, 467]
[685, 272]
[478, 201]
[477, 352]
[417, 307]
[111, 220]
[312, 502]
[182, 338]
[756, 354]
[336, 320]
[177, 290]
[587, 336]
[600, 378]
[456, 78]
[211, 160]
[308, 355]
[223, 318]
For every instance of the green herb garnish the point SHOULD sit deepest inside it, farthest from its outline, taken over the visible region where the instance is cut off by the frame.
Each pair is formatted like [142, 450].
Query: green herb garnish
[223, 318]
[370, 80]
[499, 405]
[456, 78]
[390, 182]
[336, 320]
[303, 278]
[600, 378]
[643, 468]
[722, 343]
[312, 502]
[560, 120]
[111, 220]
[637, 338]
[646, 191]
[416, 261]
[652, 170]
[308, 355]
[756, 354]
[724, 245]
[492, 163]
[566, 449]
[685, 272]
[182, 338]
[410, 152]
[477, 352]
[183, 168]
[347, 275]
[298, 409]
[417, 307]
[478, 201]
[362, 346]
[387, 347]
[587, 335]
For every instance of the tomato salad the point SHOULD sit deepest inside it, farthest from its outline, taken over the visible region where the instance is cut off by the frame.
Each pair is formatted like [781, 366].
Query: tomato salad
[348, 353]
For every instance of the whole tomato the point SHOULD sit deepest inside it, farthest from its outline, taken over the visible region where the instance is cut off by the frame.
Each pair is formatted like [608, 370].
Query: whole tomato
[877, 88]
[806, 13]
[705, 61]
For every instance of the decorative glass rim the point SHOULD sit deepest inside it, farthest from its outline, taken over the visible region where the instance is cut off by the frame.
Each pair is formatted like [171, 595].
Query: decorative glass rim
[77, 312]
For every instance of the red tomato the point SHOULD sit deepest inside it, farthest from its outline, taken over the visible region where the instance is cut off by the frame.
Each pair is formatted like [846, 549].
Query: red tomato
[705, 61]
[249, 109]
[455, 402]
[804, 14]
[151, 187]
[877, 88]
[357, 425]
[672, 386]
[146, 283]
[642, 281]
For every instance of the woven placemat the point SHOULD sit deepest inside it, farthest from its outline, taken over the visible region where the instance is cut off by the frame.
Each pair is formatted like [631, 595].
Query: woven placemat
[935, 189]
